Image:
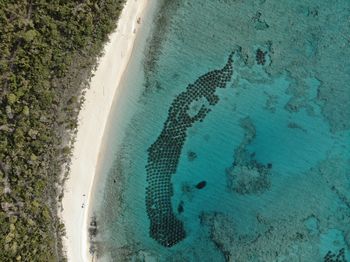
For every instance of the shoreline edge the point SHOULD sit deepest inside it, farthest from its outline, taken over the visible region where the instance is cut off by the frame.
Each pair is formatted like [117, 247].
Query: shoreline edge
[92, 121]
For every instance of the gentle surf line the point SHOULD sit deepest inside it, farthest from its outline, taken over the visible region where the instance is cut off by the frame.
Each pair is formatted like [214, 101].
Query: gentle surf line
[92, 122]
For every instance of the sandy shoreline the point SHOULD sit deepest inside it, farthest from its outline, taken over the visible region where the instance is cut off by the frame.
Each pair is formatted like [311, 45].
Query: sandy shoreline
[92, 122]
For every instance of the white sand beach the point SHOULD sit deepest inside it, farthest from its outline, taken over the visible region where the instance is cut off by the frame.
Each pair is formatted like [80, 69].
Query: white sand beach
[92, 122]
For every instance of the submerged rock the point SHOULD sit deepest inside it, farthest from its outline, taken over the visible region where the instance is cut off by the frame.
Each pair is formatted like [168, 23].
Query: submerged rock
[191, 155]
[180, 207]
[201, 184]
[260, 57]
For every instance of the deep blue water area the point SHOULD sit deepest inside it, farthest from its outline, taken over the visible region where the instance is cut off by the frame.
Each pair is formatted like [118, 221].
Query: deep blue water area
[233, 158]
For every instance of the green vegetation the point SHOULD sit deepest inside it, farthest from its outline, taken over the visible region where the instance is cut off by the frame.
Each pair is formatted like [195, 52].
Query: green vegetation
[48, 50]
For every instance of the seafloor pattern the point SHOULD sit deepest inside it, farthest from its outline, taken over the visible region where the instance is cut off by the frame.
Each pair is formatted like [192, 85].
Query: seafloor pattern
[266, 175]
[164, 153]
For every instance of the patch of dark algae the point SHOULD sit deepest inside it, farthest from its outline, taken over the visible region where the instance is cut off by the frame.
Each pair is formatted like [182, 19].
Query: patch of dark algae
[164, 153]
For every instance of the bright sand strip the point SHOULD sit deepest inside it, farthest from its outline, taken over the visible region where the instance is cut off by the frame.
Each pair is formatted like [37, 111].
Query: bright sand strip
[92, 122]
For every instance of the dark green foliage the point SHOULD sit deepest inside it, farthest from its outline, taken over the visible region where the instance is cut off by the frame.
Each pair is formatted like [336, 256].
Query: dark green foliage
[48, 50]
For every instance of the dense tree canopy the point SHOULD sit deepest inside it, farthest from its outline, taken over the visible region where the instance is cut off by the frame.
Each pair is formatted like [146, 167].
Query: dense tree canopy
[48, 50]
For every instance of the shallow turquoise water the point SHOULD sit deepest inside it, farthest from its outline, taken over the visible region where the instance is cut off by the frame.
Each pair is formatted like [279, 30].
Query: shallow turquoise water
[274, 151]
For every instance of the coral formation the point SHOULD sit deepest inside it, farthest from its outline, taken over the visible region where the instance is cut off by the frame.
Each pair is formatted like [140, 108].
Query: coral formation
[273, 239]
[246, 175]
[252, 179]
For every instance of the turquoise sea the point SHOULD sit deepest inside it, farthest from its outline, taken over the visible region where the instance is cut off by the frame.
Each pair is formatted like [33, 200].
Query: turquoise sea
[230, 139]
